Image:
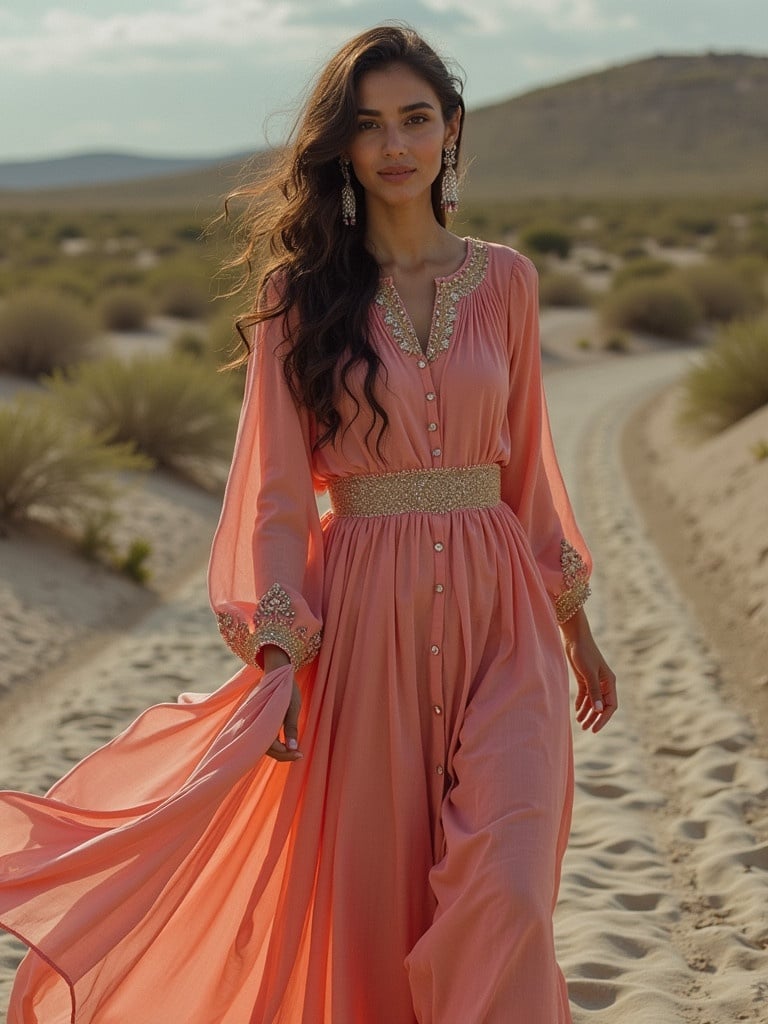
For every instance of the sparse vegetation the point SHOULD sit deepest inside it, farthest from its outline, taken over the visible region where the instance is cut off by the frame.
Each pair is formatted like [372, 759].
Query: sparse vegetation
[185, 297]
[546, 239]
[124, 309]
[662, 307]
[54, 470]
[563, 289]
[133, 563]
[731, 380]
[41, 331]
[642, 267]
[722, 293]
[175, 410]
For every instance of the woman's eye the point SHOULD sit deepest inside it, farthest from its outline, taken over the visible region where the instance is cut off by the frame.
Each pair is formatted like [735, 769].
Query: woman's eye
[418, 119]
[364, 126]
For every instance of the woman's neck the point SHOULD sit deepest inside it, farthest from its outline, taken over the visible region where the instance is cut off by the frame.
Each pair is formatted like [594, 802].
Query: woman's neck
[406, 238]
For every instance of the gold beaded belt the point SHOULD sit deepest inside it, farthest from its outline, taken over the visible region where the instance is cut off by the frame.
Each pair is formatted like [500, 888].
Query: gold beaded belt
[416, 490]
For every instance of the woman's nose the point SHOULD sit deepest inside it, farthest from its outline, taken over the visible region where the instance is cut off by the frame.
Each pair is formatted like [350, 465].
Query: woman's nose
[393, 142]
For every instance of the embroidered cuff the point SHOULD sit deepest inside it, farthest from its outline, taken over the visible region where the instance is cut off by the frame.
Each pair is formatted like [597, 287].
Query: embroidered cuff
[575, 582]
[273, 623]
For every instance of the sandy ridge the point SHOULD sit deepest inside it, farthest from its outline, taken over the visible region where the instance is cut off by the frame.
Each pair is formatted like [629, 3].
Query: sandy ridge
[672, 808]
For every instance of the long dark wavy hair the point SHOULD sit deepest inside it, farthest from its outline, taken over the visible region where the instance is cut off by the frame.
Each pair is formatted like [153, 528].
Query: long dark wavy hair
[293, 232]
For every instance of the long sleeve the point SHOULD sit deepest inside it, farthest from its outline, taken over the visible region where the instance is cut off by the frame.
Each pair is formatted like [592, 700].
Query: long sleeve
[531, 482]
[265, 574]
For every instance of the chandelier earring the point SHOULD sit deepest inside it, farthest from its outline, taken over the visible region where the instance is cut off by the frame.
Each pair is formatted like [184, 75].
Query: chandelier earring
[348, 200]
[450, 184]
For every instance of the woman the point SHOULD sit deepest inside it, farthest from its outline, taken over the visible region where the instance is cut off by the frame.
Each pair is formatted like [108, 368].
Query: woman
[402, 652]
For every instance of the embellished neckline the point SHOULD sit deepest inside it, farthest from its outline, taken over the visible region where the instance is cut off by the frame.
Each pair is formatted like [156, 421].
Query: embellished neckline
[449, 290]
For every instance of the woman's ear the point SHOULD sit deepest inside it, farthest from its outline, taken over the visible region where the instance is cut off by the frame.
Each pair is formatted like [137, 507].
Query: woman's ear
[452, 128]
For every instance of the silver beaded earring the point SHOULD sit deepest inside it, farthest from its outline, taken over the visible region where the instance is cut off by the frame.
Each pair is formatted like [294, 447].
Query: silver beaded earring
[348, 201]
[450, 185]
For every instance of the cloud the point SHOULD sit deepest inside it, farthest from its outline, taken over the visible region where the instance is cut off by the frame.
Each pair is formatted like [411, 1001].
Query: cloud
[195, 34]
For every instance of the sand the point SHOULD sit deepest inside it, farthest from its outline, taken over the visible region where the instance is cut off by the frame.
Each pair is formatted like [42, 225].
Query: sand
[662, 916]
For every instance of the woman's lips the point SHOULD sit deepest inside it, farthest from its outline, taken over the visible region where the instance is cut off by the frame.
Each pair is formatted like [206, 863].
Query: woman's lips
[395, 174]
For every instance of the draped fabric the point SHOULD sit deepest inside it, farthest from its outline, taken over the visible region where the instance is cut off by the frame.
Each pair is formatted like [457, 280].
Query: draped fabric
[406, 869]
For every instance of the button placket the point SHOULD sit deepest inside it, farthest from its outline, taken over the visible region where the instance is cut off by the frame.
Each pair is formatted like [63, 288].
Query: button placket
[439, 746]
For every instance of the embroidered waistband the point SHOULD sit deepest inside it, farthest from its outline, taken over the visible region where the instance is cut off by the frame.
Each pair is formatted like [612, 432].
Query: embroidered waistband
[416, 490]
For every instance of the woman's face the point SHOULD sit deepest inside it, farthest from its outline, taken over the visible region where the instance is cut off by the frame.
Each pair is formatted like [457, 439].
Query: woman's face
[397, 150]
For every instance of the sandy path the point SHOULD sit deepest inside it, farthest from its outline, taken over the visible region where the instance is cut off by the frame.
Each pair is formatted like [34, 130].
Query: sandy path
[662, 914]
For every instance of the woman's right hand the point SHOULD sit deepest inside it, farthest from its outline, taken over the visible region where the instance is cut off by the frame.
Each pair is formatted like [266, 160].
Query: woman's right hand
[287, 748]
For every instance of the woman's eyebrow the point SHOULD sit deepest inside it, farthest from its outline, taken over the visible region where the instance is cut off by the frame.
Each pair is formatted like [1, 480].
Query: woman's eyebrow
[403, 110]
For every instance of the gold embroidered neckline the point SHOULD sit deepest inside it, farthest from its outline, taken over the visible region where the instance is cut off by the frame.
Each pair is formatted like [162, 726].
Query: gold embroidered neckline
[449, 291]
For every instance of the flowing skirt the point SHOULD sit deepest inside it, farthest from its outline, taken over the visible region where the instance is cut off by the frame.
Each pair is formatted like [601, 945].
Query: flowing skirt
[404, 871]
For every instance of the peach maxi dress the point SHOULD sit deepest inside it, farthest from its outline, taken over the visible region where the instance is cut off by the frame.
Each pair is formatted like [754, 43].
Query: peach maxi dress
[406, 870]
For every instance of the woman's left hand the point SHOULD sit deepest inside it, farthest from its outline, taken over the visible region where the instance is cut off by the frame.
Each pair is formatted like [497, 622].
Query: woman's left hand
[596, 699]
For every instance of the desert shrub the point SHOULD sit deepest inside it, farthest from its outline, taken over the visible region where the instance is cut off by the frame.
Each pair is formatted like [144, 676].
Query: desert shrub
[722, 293]
[642, 267]
[545, 239]
[187, 298]
[562, 289]
[124, 309]
[176, 410]
[616, 343]
[133, 563]
[55, 469]
[42, 331]
[731, 379]
[658, 307]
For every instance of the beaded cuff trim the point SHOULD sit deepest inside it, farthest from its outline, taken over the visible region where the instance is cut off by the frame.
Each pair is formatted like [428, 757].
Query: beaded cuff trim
[273, 624]
[575, 581]
[450, 290]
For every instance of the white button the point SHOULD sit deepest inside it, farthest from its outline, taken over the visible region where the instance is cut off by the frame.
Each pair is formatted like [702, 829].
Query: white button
[421, 364]
[439, 769]
[432, 426]
[439, 588]
[435, 649]
[438, 546]
[437, 451]
[430, 396]
[437, 709]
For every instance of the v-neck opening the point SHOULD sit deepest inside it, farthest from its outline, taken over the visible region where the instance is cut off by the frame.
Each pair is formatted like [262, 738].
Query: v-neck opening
[449, 290]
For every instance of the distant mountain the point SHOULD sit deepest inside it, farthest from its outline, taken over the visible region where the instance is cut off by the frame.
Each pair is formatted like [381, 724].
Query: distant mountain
[98, 169]
[664, 125]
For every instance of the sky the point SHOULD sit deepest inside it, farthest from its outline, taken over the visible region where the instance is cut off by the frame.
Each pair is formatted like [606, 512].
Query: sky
[210, 77]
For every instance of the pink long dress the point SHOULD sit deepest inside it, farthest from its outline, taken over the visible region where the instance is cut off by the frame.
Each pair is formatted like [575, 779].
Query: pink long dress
[406, 869]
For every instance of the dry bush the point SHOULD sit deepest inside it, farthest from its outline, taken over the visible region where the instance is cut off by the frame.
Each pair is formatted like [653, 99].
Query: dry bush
[643, 267]
[52, 468]
[563, 289]
[731, 380]
[722, 292]
[665, 308]
[124, 309]
[176, 410]
[185, 297]
[42, 331]
[546, 239]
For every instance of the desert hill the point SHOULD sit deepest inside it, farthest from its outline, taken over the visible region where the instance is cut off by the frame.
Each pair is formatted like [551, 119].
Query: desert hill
[663, 125]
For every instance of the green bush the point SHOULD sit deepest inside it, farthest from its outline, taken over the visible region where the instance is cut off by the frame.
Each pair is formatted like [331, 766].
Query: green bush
[187, 298]
[54, 469]
[642, 267]
[545, 239]
[42, 331]
[721, 291]
[731, 380]
[658, 307]
[176, 410]
[561, 289]
[124, 309]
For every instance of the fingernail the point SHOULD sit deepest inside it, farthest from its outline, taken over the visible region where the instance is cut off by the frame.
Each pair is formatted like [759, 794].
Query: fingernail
[598, 705]
[293, 744]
